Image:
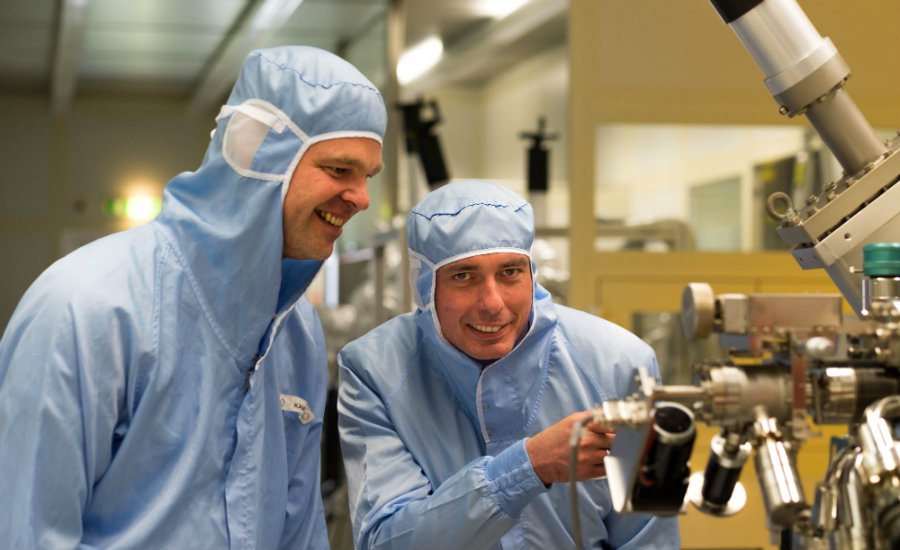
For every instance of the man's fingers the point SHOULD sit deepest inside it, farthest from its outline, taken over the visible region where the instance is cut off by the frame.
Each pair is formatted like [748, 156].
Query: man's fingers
[602, 440]
[597, 468]
[599, 427]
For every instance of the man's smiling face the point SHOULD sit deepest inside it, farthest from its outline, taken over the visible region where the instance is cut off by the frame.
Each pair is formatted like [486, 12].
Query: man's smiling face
[483, 303]
[327, 188]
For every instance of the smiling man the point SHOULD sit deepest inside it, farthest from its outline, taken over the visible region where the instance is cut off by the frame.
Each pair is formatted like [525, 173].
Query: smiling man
[455, 419]
[164, 387]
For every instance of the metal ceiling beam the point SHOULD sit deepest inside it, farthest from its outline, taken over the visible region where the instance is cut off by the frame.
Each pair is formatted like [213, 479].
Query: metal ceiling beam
[69, 36]
[473, 54]
[259, 22]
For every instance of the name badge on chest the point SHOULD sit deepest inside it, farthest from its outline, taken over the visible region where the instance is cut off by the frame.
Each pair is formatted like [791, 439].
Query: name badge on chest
[292, 403]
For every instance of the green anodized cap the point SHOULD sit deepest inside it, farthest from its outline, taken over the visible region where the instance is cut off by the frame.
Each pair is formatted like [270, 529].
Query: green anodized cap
[881, 260]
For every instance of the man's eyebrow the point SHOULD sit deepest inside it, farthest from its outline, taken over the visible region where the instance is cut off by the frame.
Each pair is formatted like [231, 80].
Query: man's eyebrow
[518, 262]
[457, 268]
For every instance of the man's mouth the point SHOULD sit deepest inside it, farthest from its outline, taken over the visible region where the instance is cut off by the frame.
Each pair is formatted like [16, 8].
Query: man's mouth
[331, 218]
[487, 328]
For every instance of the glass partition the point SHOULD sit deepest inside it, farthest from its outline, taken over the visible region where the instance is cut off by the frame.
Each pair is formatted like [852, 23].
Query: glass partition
[706, 183]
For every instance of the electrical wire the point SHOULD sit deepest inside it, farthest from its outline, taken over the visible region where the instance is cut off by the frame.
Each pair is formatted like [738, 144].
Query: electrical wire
[577, 432]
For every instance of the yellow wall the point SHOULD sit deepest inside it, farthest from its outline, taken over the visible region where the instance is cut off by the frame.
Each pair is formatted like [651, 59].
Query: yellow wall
[678, 62]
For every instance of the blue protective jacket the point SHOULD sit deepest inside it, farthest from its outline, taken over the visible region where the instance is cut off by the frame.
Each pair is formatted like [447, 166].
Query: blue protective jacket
[434, 443]
[164, 387]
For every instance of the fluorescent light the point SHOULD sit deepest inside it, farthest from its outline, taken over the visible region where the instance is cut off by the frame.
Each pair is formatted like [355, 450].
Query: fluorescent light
[142, 208]
[273, 14]
[418, 59]
[498, 9]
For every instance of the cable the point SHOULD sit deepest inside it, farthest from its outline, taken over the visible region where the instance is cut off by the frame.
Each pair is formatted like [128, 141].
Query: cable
[577, 432]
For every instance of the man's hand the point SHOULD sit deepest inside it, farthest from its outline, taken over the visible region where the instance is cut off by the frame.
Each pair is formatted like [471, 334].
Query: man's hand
[550, 451]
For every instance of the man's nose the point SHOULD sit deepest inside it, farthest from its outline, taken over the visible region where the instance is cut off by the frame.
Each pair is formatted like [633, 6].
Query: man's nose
[357, 195]
[489, 297]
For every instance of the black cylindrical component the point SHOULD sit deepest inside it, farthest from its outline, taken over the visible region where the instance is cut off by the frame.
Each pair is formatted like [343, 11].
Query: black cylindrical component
[412, 123]
[719, 482]
[664, 468]
[421, 139]
[432, 159]
[723, 471]
[844, 392]
[729, 10]
[537, 168]
[673, 428]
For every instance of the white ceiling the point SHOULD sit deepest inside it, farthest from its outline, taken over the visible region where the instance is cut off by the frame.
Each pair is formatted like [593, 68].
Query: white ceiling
[193, 48]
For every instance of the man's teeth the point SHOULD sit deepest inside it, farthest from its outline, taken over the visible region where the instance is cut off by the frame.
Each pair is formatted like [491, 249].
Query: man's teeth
[333, 220]
[486, 328]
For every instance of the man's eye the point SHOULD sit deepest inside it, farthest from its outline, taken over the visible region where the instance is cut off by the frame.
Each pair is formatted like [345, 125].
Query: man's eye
[337, 170]
[513, 271]
[460, 276]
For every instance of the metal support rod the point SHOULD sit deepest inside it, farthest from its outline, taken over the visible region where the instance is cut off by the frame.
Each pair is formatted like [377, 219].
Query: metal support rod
[845, 131]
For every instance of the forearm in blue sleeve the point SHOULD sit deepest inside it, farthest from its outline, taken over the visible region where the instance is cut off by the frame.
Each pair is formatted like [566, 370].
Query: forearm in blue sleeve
[472, 509]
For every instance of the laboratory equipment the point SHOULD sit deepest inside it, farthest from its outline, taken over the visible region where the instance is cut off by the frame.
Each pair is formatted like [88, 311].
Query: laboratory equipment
[790, 357]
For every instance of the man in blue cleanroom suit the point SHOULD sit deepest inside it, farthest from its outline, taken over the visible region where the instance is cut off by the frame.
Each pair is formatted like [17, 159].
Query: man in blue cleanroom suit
[164, 387]
[455, 419]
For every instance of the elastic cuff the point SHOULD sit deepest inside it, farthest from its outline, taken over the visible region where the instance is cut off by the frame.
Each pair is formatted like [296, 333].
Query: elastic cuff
[513, 478]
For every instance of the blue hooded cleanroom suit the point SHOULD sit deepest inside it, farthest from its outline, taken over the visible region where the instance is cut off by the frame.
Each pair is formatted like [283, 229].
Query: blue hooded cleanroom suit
[164, 387]
[434, 444]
